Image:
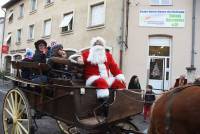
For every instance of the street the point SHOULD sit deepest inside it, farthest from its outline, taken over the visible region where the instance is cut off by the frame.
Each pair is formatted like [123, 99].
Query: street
[47, 125]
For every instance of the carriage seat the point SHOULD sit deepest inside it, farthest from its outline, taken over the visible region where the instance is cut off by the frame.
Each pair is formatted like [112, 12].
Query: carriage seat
[33, 66]
[76, 70]
[93, 120]
[78, 73]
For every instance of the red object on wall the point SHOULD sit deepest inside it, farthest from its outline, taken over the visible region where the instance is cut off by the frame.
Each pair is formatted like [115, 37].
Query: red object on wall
[5, 49]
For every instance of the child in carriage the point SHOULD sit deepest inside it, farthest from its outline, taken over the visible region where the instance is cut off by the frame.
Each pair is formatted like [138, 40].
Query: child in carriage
[26, 72]
[56, 61]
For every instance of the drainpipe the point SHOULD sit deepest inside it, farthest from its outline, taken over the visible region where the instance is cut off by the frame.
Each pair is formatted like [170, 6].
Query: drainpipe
[124, 30]
[3, 37]
[193, 32]
[127, 21]
[191, 69]
[121, 38]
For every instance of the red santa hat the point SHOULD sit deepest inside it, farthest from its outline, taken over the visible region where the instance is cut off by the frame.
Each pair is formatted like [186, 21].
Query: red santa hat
[95, 39]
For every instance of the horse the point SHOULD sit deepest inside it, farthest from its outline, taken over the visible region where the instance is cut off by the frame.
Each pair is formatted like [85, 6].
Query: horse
[177, 111]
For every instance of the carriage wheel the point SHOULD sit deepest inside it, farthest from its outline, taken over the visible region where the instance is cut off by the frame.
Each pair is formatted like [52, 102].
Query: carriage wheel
[67, 129]
[125, 127]
[16, 113]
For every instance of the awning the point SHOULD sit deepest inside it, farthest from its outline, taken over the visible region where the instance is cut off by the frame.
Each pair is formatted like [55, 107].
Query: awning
[66, 20]
[11, 13]
[8, 38]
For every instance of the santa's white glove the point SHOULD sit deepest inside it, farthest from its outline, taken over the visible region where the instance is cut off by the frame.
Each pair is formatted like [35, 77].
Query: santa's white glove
[102, 93]
[120, 77]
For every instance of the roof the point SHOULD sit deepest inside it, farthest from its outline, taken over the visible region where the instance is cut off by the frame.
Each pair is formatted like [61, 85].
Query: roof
[10, 3]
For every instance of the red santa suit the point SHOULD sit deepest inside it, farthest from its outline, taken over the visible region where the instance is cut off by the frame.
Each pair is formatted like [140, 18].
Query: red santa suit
[99, 65]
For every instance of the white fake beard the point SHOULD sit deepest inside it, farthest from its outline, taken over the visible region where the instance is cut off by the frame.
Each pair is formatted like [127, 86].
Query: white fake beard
[97, 55]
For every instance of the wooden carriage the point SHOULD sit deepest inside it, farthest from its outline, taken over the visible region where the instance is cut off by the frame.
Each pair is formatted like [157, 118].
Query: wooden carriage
[68, 101]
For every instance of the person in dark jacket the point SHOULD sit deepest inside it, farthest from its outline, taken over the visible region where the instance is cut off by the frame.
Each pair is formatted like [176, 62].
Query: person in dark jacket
[57, 51]
[57, 54]
[40, 57]
[26, 73]
[149, 100]
[134, 83]
[40, 52]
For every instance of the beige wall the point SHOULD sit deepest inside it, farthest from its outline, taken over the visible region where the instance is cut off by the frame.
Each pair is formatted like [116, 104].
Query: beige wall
[81, 35]
[135, 60]
[136, 57]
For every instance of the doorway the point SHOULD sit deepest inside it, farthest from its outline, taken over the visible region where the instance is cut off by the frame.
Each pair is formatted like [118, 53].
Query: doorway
[159, 63]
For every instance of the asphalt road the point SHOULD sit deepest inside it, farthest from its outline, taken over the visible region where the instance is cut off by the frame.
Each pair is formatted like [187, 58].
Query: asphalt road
[47, 125]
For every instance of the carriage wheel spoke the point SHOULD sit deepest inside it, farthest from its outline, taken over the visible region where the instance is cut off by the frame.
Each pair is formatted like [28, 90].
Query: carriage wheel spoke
[22, 120]
[10, 106]
[13, 129]
[13, 103]
[19, 114]
[24, 129]
[15, 99]
[16, 130]
[19, 104]
[19, 131]
[10, 113]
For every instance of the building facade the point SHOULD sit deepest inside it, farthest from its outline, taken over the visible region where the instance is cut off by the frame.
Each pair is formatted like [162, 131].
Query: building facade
[160, 41]
[72, 23]
[154, 39]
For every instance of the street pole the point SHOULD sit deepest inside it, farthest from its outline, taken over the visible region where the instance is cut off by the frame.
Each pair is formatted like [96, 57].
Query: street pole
[1, 67]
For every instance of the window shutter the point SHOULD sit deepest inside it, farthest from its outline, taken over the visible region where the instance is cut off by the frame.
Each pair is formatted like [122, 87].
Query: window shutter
[66, 20]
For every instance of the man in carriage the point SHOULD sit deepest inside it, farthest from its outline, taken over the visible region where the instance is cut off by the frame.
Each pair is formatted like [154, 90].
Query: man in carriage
[101, 70]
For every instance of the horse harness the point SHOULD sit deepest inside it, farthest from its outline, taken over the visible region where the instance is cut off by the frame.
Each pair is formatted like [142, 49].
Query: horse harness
[169, 106]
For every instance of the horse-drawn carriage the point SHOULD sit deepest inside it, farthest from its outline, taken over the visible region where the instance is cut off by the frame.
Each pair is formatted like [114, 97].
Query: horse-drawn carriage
[69, 101]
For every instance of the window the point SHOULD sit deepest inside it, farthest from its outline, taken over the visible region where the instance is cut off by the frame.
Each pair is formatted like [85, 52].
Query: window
[19, 34]
[33, 5]
[47, 27]
[97, 14]
[8, 39]
[48, 2]
[10, 16]
[31, 32]
[161, 2]
[21, 10]
[159, 46]
[67, 22]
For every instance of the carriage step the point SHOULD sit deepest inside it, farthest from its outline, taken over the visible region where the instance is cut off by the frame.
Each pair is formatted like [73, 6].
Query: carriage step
[92, 120]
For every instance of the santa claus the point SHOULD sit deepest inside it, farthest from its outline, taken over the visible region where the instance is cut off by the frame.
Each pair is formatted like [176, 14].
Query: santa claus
[101, 70]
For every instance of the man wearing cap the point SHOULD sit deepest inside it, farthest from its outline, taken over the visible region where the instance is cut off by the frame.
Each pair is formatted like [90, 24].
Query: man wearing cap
[98, 65]
[40, 57]
[40, 52]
